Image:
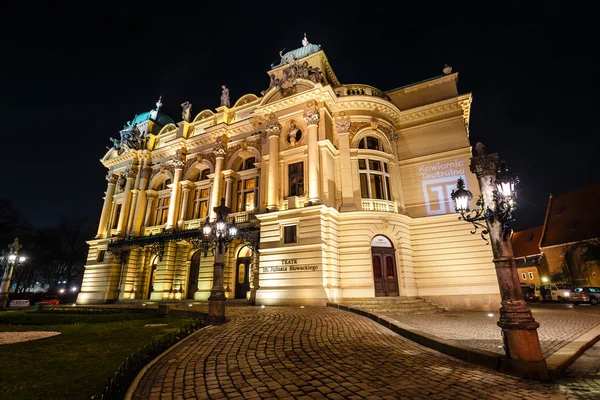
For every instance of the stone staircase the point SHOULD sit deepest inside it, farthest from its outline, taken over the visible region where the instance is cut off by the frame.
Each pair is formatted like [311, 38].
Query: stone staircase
[393, 305]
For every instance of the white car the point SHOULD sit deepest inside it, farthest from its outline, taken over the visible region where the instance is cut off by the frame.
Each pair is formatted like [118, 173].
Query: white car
[553, 291]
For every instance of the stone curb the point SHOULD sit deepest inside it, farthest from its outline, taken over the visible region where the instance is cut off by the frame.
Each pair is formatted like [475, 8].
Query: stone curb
[140, 375]
[561, 359]
[446, 346]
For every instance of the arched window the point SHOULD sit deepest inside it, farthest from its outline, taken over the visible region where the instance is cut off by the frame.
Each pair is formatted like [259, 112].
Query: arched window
[248, 163]
[370, 143]
[165, 184]
[374, 179]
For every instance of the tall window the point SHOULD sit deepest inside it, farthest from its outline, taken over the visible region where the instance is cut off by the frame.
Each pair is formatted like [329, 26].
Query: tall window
[162, 211]
[374, 179]
[200, 203]
[115, 220]
[203, 174]
[248, 163]
[296, 179]
[164, 184]
[371, 143]
[247, 194]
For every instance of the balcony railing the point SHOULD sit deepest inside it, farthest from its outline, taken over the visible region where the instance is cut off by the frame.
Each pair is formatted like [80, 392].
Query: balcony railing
[241, 217]
[378, 205]
[154, 230]
[360, 90]
[300, 201]
[193, 223]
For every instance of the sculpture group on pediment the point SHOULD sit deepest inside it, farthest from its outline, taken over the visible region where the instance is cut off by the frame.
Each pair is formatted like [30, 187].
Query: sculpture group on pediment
[294, 71]
[131, 138]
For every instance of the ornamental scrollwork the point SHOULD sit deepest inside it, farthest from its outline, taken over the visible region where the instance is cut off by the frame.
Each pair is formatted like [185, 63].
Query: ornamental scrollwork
[343, 126]
[273, 129]
[112, 178]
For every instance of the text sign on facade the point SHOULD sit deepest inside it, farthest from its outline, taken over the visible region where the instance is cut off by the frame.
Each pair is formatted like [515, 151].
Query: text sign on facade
[438, 181]
[288, 265]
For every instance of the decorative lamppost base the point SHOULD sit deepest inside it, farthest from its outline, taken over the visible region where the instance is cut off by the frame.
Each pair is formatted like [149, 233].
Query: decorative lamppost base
[216, 312]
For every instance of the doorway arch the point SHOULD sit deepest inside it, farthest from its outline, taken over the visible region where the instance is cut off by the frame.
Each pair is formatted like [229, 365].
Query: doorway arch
[242, 272]
[192, 283]
[385, 274]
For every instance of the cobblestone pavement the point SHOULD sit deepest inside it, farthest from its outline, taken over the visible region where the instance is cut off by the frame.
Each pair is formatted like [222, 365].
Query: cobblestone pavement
[321, 353]
[583, 376]
[558, 326]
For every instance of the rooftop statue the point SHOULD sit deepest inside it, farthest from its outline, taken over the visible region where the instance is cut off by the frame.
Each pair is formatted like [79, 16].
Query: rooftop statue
[186, 113]
[225, 97]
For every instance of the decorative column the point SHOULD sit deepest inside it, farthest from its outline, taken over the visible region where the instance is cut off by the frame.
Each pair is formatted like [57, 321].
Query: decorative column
[273, 132]
[216, 189]
[129, 175]
[132, 211]
[108, 198]
[229, 178]
[151, 198]
[185, 187]
[312, 117]
[140, 209]
[343, 128]
[175, 189]
[519, 329]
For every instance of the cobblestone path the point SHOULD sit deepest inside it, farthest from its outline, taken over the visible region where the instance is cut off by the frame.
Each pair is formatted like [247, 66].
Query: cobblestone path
[313, 353]
[582, 378]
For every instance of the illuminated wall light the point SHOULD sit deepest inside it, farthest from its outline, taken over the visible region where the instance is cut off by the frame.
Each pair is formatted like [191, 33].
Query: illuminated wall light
[490, 315]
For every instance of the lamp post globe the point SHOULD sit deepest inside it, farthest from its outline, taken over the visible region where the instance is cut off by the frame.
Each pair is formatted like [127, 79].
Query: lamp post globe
[461, 197]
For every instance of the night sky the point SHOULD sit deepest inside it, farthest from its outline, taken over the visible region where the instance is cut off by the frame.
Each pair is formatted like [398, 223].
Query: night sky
[72, 77]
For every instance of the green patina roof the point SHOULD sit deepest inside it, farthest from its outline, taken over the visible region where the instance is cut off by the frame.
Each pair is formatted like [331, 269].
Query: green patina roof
[301, 52]
[157, 116]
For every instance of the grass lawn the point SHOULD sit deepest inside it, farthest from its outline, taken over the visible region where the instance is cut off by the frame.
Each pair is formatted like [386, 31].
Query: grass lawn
[77, 363]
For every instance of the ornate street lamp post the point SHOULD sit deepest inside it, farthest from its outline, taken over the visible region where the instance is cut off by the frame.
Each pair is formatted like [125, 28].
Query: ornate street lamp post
[218, 235]
[494, 216]
[11, 261]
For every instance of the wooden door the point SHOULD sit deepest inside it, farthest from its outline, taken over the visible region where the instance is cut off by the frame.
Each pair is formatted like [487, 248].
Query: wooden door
[192, 286]
[384, 272]
[242, 278]
[378, 275]
[391, 278]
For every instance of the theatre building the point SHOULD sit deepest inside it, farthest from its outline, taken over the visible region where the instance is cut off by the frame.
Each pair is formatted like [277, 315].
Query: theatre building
[342, 190]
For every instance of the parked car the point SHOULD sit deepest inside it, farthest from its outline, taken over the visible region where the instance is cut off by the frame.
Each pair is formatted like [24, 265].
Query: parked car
[585, 294]
[50, 299]
[19, 302]
[553, 291]
[529, 293]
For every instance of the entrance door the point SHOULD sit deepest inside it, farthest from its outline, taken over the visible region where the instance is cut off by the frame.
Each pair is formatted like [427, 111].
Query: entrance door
[242, 278]
[385, 276]
[152, 276]
[192, 285]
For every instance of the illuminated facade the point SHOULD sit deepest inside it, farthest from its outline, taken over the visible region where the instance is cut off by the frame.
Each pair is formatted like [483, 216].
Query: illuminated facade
[348, 186]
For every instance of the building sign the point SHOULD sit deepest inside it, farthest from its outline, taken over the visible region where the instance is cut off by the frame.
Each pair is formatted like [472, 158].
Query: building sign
[438, 180]
[291, 265]
[381, 241]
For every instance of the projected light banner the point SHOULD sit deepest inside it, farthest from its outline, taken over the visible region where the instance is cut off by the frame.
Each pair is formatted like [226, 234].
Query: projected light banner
[438, 180]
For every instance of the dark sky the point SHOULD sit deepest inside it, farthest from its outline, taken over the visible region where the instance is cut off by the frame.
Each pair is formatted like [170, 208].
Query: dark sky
[72, 77]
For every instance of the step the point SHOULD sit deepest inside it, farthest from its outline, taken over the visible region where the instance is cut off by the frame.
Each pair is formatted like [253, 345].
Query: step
[393, 305]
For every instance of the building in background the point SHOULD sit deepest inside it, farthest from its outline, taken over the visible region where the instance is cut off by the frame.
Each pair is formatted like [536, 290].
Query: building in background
[570, 238]
[347, 186]
[526, 248]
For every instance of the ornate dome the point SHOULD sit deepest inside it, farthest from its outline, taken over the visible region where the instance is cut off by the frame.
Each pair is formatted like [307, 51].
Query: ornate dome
[301, 52]
[155, 115]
